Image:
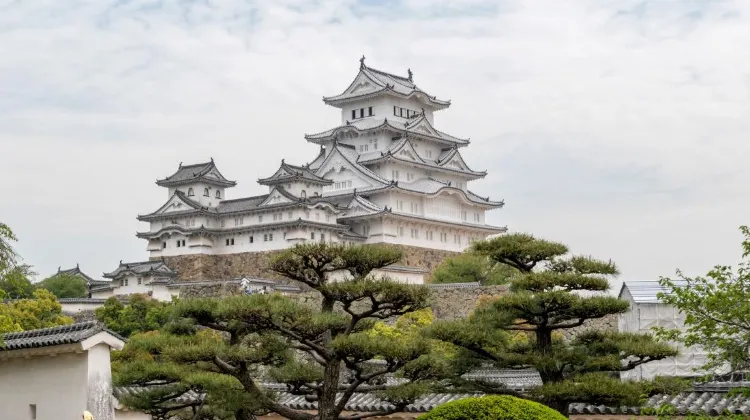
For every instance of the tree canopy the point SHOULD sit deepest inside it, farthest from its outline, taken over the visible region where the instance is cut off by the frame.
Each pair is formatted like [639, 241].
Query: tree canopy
[545, 299]
[141, 314]
[15, 280]
[327, 351]
[472, 267]
[65, 285]
[42, 311]
[717, 311]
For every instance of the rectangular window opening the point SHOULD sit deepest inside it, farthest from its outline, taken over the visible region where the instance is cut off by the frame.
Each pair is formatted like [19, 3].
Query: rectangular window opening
[32, 411]
[369, 112]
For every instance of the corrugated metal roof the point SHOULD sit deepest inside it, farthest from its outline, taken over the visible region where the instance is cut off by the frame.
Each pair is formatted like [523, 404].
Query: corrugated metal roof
[646, 291]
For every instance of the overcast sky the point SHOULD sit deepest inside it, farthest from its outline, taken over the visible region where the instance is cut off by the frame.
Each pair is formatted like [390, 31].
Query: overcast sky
[618, 127]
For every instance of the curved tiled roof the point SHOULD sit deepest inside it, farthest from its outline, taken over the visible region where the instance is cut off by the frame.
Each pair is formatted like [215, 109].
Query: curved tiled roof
[245, 228]
[292, 173]
[196, 172]
[392, 154]
[142, 267]
[56, 336]
[388, 83]
[366, 125]
[711, 403]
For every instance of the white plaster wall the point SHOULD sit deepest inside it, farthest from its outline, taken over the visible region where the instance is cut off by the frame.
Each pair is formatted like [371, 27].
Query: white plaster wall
[71, 308]
[198, 196]
[99, 383]
[106, 294]
[133, 286]
[57, 385]
[161, 292]
[130, 415]
[397, 276]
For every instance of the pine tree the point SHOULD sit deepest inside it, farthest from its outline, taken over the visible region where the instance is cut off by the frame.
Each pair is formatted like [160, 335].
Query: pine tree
[222, 348]
[552, 294]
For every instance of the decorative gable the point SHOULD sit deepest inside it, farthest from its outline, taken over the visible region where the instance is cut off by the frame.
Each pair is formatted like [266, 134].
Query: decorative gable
[338, 166]
[174, 204]
[362, 84]
[275, 197]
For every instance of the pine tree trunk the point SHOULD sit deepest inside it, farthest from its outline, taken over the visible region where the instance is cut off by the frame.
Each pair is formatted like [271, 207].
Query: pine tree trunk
[544, 340]
[243, 414]
[327, 400]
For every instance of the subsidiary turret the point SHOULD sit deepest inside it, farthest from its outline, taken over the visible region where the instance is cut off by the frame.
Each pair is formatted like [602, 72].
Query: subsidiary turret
[200, 182]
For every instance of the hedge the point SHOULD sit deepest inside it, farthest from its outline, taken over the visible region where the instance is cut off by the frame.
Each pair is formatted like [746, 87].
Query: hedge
[497, 407]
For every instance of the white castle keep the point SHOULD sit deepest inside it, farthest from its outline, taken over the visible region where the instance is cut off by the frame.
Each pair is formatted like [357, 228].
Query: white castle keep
[385, 175]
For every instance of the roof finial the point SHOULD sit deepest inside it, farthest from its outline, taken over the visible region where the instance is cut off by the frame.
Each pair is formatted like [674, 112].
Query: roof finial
[77, 266]
[58, 268]
[362, 62]
[408, 71]
[282, 161]
[120, 262]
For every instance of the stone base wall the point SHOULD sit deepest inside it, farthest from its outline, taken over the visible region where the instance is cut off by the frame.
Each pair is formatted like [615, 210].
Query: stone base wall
[255, 264]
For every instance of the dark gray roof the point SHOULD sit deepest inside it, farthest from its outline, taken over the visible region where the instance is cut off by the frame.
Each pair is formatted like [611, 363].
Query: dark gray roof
[365, 402]
[47, 337]
[205, 172]
[711, 403]
[76, 271]
[143, 267]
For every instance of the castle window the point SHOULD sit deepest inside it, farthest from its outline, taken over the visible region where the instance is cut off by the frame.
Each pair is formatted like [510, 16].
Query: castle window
[428, 235]
[400, 231]
[463, 215]
[251, 239]
[125, 282]
[140, 280]
[312, 235]
[260, 219]
[230, 241]
[369, 112]
[265, 237]
[394, 175]
[218, 193]
[222, 223]
[270, 237]
[190, 192]
[366, 230]
[354, 114]
[163, 245]
[303, 194]
[322, 237]
[289, 215]
[205, 192]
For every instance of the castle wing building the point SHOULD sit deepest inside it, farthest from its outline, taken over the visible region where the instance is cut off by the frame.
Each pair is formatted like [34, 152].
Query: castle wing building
[386, 174]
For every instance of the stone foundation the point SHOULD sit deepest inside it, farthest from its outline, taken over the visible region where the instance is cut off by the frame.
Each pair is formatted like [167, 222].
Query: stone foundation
[255, 264]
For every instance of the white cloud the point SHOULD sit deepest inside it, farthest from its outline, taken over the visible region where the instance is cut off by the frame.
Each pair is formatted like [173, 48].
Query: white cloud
[617, 126]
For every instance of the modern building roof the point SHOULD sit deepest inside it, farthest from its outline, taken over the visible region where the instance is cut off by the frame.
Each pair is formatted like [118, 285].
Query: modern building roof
[288, 173]
[46, 337]
[200, 172]
[645, 291]
[378, 82]
[142, 268]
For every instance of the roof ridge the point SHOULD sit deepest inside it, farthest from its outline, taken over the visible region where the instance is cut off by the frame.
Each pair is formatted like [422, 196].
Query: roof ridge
[79, 326]
[395, 76]
[244, 198]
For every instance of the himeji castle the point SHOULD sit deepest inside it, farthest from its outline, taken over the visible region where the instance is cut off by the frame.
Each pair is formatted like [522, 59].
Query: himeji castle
[384, 175]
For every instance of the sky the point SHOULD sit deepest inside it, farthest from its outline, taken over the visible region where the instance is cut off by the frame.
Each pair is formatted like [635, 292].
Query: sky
[617, 127]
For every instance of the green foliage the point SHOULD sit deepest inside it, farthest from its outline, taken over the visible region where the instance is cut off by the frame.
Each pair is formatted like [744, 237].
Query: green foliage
[43, 311]
[8, 256]
[498, 407]
[15, 283]
[717, 311]
[470, 267]
[64, 285]
[524, 327]
[317, 351]
[141, 314]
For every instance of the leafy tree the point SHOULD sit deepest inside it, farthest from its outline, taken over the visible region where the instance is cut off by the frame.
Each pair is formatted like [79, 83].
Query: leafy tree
[545, 298]
[43, 311]
[8, 256]
[717, 311]
[472, 267]
[65, 285]
[224, 347]
[141, 314]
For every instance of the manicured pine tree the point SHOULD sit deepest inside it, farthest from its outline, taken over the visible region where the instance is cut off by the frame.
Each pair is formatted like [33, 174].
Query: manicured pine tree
[222, 348]
[553, 293]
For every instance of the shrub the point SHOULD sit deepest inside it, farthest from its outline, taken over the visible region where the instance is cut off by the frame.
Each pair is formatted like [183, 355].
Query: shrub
[497, 407]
